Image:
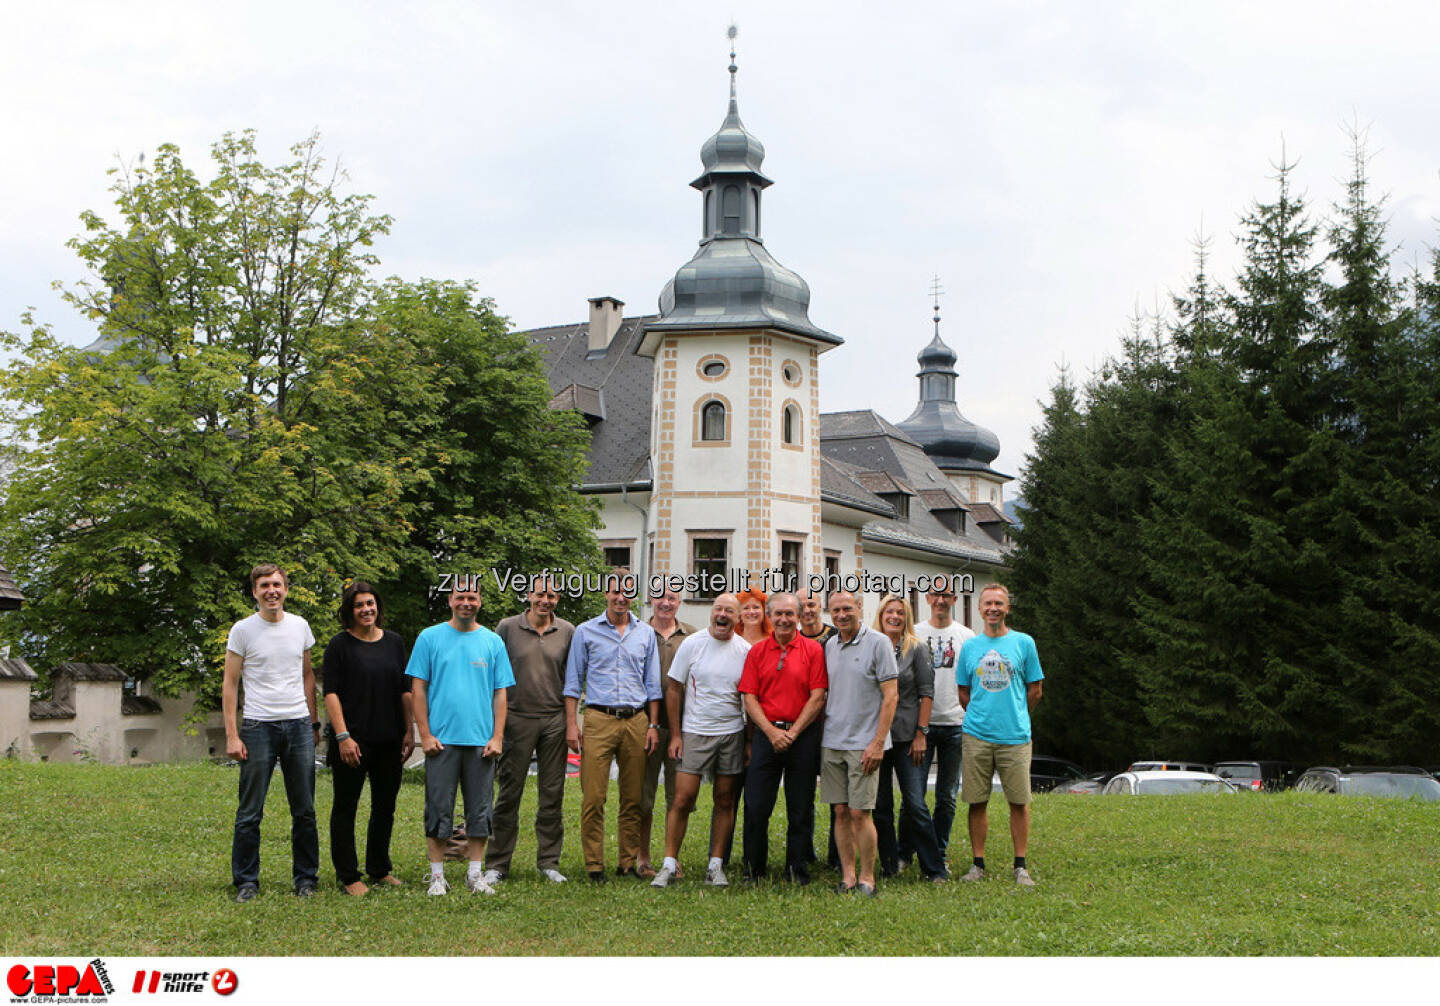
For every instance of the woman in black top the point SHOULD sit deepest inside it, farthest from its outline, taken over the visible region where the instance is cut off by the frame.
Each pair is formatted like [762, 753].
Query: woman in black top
[905, 761]
[367, 698]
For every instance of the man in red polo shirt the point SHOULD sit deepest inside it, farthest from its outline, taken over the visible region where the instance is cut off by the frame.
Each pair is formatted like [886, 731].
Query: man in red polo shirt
[784, 688]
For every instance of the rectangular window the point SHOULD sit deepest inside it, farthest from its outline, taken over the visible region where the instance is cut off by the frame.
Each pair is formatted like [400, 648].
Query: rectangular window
[964, 600]
[618, 552]
[791, 550]
[708, 561]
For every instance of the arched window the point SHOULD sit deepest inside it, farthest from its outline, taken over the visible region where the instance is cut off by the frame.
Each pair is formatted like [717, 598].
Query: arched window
[730, 209]
[755, 223]
[790, 425]
[712, 421]
[705, 223]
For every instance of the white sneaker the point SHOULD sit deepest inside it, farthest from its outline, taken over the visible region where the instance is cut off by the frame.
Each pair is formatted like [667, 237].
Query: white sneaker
[663, 878]
[554, 876]
[492, 877]
[715, 876]
[973, 874]
[437, 884]
[477, 885]
[1023, 878]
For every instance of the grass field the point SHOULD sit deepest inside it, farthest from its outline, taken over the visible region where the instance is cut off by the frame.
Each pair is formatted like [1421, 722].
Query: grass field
[135, 862]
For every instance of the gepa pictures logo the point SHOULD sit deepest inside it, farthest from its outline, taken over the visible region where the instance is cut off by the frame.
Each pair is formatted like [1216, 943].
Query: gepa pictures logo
[60, 982]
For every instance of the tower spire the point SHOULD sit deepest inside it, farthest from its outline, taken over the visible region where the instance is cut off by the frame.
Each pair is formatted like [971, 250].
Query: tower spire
[935, 291]
[731, 33]
[951, 440]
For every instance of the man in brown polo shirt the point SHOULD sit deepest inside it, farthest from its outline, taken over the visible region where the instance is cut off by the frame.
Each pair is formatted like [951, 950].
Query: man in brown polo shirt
[537, 643]
[670, 632]
[784, 687]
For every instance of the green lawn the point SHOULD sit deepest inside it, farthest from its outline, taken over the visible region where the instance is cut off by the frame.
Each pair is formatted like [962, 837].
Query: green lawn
[135, 861]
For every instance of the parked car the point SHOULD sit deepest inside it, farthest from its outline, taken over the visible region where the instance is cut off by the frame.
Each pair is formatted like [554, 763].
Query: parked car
[1168, 766]
[1050, 773]
[1081, 787]
[1256, 776]
[1364, 780]
[1148, 782]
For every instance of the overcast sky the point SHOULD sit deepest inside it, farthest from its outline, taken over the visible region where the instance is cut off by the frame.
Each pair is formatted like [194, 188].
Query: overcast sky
[1052, 162]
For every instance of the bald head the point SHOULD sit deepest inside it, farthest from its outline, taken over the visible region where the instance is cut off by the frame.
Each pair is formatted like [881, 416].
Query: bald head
[724, 616]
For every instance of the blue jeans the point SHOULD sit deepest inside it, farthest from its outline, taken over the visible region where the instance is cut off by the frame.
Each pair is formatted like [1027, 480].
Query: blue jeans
[944, 744]
[914, 814]
[291, 743]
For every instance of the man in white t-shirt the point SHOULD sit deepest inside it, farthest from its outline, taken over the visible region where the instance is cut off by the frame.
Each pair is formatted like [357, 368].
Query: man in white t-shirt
[704, 683]
[944, 636]
[270, 653]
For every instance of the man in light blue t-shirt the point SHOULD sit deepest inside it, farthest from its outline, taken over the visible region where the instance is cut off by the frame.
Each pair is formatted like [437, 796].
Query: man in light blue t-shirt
[460, 671]
[1000, 682]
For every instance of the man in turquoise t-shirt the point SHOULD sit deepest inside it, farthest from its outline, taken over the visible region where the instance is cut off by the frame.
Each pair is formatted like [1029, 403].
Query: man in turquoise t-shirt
[999, 678]
[460, 671]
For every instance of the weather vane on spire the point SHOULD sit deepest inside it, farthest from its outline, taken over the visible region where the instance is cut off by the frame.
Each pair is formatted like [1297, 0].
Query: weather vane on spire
[730, 33]
[935, 291]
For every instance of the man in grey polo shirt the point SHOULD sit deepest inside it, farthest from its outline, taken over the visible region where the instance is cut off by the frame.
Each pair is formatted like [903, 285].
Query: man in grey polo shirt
[861, 666]
[709, 735]
[538, 643]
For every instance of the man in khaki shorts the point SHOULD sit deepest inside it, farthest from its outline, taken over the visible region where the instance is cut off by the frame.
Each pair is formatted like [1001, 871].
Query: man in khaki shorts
[703, 692]
[1000, 682]
[860, 663]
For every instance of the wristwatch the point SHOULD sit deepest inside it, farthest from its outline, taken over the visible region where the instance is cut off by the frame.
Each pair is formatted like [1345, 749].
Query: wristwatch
[924, 730]
[653, 726]
[315, 725]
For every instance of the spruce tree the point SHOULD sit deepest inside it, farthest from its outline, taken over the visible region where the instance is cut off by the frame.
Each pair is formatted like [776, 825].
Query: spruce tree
[1236, 540]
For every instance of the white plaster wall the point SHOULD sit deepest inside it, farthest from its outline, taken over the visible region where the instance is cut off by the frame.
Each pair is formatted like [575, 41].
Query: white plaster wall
[619, 520]
[838, 538]
[711, 468]
[100, 732]
[978, 488]
[15, 718]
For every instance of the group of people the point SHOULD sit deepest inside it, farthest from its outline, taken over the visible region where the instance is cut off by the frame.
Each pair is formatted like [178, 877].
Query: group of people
[767, 694]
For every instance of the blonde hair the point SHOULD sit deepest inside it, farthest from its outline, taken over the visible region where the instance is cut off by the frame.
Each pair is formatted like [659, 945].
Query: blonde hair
[907, 633]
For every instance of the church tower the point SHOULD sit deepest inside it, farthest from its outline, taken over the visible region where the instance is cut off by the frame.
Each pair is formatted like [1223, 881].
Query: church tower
[735, 430]
[961, 449]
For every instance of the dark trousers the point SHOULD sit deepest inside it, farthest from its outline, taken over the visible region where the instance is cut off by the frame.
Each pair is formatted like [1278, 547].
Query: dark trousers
[944, 752]
[914, 812]
[380, 763]
[291, 744]
[798, 766]
[544, 737]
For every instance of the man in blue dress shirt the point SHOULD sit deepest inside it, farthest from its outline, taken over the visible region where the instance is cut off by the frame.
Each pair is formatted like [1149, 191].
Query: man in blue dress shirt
[615, 662]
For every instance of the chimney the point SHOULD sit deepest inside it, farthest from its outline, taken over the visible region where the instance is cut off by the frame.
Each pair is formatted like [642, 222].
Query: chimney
[605, 315]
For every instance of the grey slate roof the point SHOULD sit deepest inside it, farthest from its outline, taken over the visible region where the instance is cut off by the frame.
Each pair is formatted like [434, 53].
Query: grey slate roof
[90, 672]
[588, 401]
[956, 443]
[617, 383]
[736, 283]
[838, 485]
[10, 596]
[44, 709]
[139, 705]
[869, 452]
[15, 669]
[942, 499]
[985, 513]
